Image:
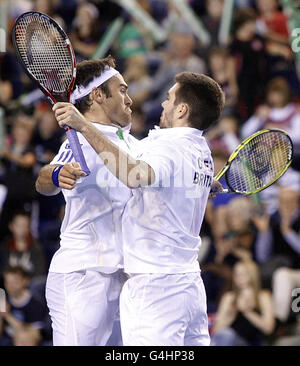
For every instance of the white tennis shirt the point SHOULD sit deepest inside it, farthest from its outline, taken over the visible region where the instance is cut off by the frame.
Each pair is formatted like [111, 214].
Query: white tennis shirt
[91, 235]
[162, 222]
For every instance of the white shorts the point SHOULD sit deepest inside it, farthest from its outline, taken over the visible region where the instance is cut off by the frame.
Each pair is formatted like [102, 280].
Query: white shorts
[164, 310]
[84, 306]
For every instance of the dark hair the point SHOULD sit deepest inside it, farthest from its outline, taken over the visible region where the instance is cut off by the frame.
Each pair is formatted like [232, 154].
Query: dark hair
[19, 213]
[86, 71]
[242, 17]
[18, 270]
[204, 97]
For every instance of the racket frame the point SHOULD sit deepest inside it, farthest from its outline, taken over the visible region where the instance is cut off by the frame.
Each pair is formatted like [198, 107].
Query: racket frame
[47, 92]
[235, 154]
[50, 94]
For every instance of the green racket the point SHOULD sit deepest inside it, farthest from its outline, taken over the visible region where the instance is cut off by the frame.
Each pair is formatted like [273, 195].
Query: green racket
[257, 162]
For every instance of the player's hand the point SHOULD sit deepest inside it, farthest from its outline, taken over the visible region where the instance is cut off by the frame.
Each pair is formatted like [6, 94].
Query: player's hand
[67, 115]
[216, 187]
[69, 174]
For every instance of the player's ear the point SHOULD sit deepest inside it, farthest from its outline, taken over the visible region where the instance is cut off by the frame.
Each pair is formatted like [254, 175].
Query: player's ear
[97, 95]
[183, 110]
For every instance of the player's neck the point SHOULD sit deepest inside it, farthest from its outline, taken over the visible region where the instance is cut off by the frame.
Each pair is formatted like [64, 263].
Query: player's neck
[180, 123]
[100, 117]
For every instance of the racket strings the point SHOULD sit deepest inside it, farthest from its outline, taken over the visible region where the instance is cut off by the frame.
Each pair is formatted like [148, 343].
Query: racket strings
[44, 53]
[259, 162]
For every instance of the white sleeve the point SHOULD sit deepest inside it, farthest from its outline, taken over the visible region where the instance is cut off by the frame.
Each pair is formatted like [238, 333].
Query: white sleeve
[64, 154]
[163, 160]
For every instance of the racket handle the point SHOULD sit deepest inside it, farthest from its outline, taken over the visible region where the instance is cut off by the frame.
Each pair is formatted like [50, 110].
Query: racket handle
[76, 149]
[224, 190]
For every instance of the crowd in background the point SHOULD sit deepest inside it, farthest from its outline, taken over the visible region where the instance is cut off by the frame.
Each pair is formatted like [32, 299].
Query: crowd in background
[250, 253]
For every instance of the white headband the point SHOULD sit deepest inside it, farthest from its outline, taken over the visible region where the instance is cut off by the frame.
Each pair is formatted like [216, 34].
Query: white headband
[81, 91]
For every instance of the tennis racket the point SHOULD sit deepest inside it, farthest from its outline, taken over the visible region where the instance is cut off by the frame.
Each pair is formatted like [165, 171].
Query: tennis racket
[257, 162]
[48, 58]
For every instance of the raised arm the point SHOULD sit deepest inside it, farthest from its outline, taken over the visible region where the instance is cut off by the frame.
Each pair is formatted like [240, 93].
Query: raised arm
[131, 172]
[65, 177]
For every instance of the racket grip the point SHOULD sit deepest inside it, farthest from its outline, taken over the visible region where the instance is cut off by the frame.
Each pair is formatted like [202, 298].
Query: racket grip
[76, 149]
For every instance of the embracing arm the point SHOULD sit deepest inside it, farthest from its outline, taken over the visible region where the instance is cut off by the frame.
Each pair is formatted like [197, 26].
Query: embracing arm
[133, 173]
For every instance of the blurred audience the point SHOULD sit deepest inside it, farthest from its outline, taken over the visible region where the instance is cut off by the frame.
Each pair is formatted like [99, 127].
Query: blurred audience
[224, 135]
[178, 56]
[279, 112]
[27, 335]
[86, 30]
[18, 159]
[47, 136]
[22, 306]
[278, 242]
[249, 57]
[21, 249]
[220, 69]
[245, 314]
[212, 19]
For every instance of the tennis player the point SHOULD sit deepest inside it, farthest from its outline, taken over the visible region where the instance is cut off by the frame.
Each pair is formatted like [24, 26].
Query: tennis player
[85, 280]
[164, 302]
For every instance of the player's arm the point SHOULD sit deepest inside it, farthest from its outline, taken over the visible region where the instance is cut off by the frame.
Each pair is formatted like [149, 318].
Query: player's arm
[133, 173]
[64, 176]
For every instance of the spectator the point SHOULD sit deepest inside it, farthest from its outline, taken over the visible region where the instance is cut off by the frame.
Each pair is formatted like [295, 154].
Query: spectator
[278, 112]
[22, 307]
[245, 314]
[139, 84]
[45, 6]
[278, 241]
[224, 135]
[18, 159]
[86, 30]
[178, 57]
[21, 249]
[130, 42]
[272, 24]
[233, 238]
[212, 19]
[10, 78]
[137, 76]
[220, 69]
[47, 136]
[26, 335]
[249, 57]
